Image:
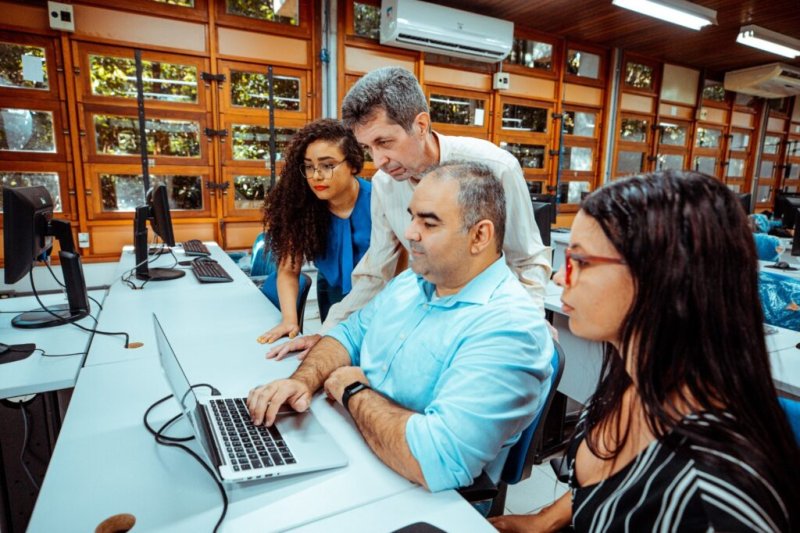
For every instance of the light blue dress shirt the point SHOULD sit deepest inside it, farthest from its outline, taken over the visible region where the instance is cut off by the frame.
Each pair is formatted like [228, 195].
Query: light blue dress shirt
[473, 366]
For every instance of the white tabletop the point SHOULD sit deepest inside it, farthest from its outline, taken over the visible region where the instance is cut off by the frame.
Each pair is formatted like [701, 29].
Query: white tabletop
[38, 373]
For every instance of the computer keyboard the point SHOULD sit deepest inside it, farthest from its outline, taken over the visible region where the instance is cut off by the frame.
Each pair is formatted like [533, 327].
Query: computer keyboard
[209, 271]
[195, 247]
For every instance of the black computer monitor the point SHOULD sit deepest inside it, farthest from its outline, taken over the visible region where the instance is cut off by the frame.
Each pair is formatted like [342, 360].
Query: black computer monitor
[546, 198]
[28, 231]
[541, 213]
[157, 212]
[745, 199]
[788, 210]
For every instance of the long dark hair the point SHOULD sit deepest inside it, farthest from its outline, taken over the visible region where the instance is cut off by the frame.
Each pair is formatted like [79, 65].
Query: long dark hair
[695, 327]
[298, 221]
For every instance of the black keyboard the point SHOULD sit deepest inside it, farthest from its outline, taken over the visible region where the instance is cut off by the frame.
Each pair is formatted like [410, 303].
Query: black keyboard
[209, 271]
[195, 247]
[246, 445]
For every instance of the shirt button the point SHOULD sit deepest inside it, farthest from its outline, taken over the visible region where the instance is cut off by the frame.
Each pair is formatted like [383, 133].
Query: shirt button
[385, 368]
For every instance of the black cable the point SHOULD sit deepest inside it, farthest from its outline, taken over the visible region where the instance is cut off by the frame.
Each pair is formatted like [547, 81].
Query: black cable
[45, 354]
[165, 440]
[25, 442]
[53, 274]
[61, 319]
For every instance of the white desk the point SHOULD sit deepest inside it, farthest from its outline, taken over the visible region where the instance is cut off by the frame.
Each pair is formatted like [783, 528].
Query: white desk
[446, 510]
[105, 462]
[38, 373]
[584, 358]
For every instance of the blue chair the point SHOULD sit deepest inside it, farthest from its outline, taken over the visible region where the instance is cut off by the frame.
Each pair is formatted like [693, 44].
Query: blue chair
[780, 299]
[792, 409]
[767, 247]
[262, 263]
[522, 455]
[270, 289]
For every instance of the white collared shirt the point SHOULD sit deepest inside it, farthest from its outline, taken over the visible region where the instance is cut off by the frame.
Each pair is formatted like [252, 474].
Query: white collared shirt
[525, 254]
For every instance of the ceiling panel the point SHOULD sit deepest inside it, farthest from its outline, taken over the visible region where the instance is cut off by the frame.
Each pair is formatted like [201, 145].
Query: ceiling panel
[600, 22]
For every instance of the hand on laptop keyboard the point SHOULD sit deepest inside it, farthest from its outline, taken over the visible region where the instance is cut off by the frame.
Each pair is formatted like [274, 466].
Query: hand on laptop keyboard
[265, 402]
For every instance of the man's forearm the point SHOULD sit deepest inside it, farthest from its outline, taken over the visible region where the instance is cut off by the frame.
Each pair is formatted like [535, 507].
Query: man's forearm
[326, 356]
[383, 425]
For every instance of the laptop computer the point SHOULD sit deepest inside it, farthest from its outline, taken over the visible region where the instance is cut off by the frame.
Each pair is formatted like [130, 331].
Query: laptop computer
[236, 449]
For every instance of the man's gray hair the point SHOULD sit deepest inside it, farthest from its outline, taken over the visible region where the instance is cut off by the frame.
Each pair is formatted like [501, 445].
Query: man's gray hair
[393, 89]
[480, 194]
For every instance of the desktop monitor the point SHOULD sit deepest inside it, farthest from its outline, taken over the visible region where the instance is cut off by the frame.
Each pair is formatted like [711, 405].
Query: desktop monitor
[157, 212]
[745, 200]
[546, 198]
[796, 236]
[28, 231]
[788, 210]
[541, 213]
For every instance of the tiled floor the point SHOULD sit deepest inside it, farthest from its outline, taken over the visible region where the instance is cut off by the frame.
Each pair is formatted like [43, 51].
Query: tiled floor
[525, 497]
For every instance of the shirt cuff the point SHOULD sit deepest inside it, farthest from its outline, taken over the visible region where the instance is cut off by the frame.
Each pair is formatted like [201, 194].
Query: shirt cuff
[340, 333]
[440, 472]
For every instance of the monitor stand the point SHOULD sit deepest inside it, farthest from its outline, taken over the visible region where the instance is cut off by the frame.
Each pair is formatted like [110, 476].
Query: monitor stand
[158, 250]
[160, 274]
[15, 352]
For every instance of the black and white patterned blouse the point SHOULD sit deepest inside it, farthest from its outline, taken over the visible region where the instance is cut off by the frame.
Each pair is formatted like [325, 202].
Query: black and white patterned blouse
[665, 489]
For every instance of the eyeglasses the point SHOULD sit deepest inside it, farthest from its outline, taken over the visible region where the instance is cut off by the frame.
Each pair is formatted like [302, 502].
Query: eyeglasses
[325, 170]
[573, 263]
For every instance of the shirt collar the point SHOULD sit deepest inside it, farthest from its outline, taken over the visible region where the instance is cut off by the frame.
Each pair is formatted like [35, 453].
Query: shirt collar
[477, 291]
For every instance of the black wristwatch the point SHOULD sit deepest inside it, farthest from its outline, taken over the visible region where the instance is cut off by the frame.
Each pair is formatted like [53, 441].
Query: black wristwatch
[350, 391]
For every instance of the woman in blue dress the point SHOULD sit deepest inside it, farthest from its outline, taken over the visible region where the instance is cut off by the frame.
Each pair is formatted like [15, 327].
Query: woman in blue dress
[318, 211]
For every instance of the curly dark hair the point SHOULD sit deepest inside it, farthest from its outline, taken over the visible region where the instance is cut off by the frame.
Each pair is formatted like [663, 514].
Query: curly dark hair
[296, 219]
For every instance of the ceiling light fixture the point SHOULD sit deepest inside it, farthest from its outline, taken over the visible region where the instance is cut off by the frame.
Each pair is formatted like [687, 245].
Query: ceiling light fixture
[675, 11]
[769, 41]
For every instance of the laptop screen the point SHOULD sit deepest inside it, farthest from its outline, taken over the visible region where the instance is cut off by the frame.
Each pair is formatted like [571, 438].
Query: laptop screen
[179, 385]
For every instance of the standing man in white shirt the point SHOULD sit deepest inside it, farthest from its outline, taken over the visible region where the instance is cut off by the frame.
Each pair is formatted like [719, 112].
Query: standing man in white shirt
[388, 113]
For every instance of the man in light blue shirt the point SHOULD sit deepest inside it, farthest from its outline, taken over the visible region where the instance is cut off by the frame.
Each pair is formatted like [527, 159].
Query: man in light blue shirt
[445, 367]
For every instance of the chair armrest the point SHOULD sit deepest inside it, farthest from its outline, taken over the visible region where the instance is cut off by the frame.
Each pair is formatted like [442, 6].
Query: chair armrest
[482, 488]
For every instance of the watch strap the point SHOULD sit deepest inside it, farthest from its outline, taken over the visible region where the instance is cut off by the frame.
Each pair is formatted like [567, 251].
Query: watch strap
[350, 391]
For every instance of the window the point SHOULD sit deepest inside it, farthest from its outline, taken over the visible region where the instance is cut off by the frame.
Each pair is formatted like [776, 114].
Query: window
[161, 81]
[706, 165]
[670, 162]
[633, 130]
[583, 64]
[367, 20]
[580, 123]
[707, 138]
[26, 130]
[531, 54]
[771, 144]
[639, 76]
[577, 158]
[524, 118]
[251, 90]
[740, 141]
[124, 192]
[260, 10]
[457, 111]
[672, 134]
[251, 141]
[629, 163]
[714, 91]
[119, 136]
[23, 66]
[182, 3]
[735, 168]
[529, 156]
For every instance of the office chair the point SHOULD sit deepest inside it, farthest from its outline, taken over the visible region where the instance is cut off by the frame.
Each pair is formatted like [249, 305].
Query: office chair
[270, 289]
[261, 261]
[780, 296]
[522, 455]
[792, 409]
[767, 247]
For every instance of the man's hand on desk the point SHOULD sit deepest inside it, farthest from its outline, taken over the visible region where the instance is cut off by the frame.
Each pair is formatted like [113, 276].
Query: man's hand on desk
[265, 401]
[341, 378]
[300, 344]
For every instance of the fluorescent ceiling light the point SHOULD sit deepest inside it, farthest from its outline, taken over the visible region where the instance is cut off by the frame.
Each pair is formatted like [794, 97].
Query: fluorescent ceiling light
[675, 11]
[769, 41]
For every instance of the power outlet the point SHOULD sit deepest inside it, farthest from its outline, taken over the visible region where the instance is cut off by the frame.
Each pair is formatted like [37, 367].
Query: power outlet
[501, 80]
[83, 240]
[61, 16]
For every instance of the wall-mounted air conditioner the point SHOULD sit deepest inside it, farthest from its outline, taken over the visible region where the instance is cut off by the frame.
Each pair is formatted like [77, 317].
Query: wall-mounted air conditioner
[432, 28]
[775, 80]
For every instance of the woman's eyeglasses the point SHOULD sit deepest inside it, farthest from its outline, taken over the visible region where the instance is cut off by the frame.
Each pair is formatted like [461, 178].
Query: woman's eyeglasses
[325, 170]
[573, 263]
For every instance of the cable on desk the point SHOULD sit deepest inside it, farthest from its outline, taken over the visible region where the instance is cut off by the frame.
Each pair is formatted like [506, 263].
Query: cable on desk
[25, 442]
[127, 277]
[47, 264]
[165, 440]
[60, 319]
[45, 354]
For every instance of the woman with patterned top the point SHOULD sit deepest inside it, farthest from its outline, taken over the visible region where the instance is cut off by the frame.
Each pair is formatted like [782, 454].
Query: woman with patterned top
[684, 432]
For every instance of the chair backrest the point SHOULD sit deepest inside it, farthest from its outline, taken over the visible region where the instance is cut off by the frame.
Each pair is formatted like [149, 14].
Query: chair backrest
[270, 289]
[520, 457]
[792, 410]
[767, 246]
[780, 296]
[261, 261]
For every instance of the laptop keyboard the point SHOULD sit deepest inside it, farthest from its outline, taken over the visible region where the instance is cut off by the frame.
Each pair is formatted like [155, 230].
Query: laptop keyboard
[248, 446]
